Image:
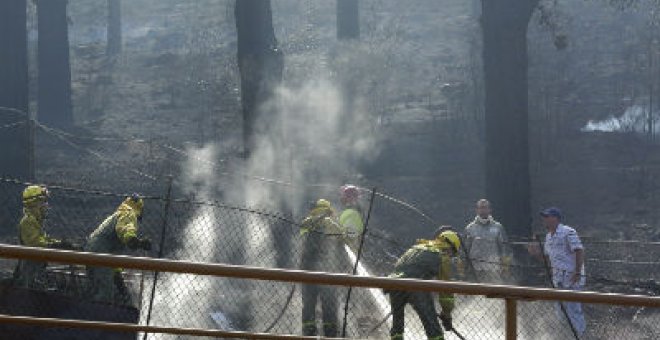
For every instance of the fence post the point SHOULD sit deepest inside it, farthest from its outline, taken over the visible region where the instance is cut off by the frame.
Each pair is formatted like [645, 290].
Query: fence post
[357, 259]
[511, 319]
[31, 134]
[166, 211]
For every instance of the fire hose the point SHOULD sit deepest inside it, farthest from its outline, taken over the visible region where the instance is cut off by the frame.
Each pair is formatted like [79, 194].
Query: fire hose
[453, 329]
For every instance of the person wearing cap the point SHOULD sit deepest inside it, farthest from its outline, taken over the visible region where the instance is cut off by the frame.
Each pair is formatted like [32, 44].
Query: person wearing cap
[564, 253]
[486, 246]
[323, 250]
[116, 233]
[31, 274]
[350, 217]
[426, 260]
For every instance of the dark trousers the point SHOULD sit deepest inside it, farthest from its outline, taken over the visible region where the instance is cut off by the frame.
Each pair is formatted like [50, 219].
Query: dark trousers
[30, 274]
[310, 296]
[322, 253]
[422, 302]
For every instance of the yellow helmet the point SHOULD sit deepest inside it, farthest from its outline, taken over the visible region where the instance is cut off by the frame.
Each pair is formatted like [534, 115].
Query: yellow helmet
[323, 203]
[450, 238]
[323, 207]
[35, 194]
[135, 202]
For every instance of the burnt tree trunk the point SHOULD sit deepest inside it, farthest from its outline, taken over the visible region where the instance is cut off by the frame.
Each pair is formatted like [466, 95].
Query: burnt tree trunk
[114, 28]
[507, 142]
[54, 84]
[15, 150]
[348, 19]
[260, 65]
[14, 127]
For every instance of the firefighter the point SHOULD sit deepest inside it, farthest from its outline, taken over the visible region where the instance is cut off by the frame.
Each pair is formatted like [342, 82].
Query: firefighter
[427, 259]
[116, 233]
[324, 240]
[351, 216]
[31, 274]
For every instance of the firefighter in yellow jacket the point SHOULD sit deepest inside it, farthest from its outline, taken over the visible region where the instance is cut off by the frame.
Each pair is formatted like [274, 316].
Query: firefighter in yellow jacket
[323, 250]
[116, 233]
[31, 274]
[428, 259]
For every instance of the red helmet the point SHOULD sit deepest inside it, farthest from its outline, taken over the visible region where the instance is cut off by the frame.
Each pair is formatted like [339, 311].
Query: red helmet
[349, 194]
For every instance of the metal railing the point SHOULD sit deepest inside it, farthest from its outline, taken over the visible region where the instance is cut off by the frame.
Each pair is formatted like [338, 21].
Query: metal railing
[511, 294]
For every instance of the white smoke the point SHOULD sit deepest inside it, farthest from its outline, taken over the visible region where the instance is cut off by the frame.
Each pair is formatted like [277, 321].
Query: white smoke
[310, 140]
[177, 299]
[634, 119]
[308, 137]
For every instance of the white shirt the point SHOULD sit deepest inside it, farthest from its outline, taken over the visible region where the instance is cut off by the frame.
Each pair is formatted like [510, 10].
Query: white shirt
[560, 248]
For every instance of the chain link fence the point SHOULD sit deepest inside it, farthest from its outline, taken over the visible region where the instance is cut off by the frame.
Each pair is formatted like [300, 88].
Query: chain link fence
[208, 231]
[200, 229]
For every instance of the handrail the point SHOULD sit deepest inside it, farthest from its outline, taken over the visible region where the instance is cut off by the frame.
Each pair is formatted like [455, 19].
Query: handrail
[127, 327]
[287, 275]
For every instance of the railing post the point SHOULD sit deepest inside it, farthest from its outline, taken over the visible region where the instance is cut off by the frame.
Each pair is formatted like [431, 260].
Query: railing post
[161, 246]
[511, 319]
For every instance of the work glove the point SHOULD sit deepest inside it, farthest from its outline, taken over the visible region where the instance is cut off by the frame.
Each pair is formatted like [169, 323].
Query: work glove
[446, 322]
[145, 243]
[506, 266]
[133, 243]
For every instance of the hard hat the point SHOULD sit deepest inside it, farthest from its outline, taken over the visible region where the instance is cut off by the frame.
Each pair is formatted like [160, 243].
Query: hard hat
[135, 202]
[35, 194]
[451, 238]
[349, 193]
[323, 203]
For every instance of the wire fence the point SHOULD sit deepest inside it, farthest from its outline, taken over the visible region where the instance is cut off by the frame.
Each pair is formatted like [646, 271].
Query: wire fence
[207, 231]
[200, 229]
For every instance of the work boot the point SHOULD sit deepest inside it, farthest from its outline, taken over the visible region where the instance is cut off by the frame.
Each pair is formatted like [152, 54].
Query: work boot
[330, 329]
[309, 328]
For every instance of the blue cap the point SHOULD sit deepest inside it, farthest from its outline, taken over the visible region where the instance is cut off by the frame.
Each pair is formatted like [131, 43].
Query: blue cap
[552, 211]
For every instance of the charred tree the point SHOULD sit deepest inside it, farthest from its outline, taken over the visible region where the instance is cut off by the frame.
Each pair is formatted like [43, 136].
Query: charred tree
[54, 84]
[15, 150]
[114, 28]
[260, 64]
[14, 137]
[504, 26]
[348, 19]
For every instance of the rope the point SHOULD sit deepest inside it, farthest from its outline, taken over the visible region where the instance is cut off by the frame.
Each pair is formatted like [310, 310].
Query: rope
[7, 126]
[92, 152]
[65, 136]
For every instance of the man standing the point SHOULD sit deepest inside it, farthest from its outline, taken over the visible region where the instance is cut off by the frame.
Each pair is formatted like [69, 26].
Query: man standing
[428, 259]
[31, 274]
[323, 246]
[486, 246]
[117, 232]
[564, 253]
